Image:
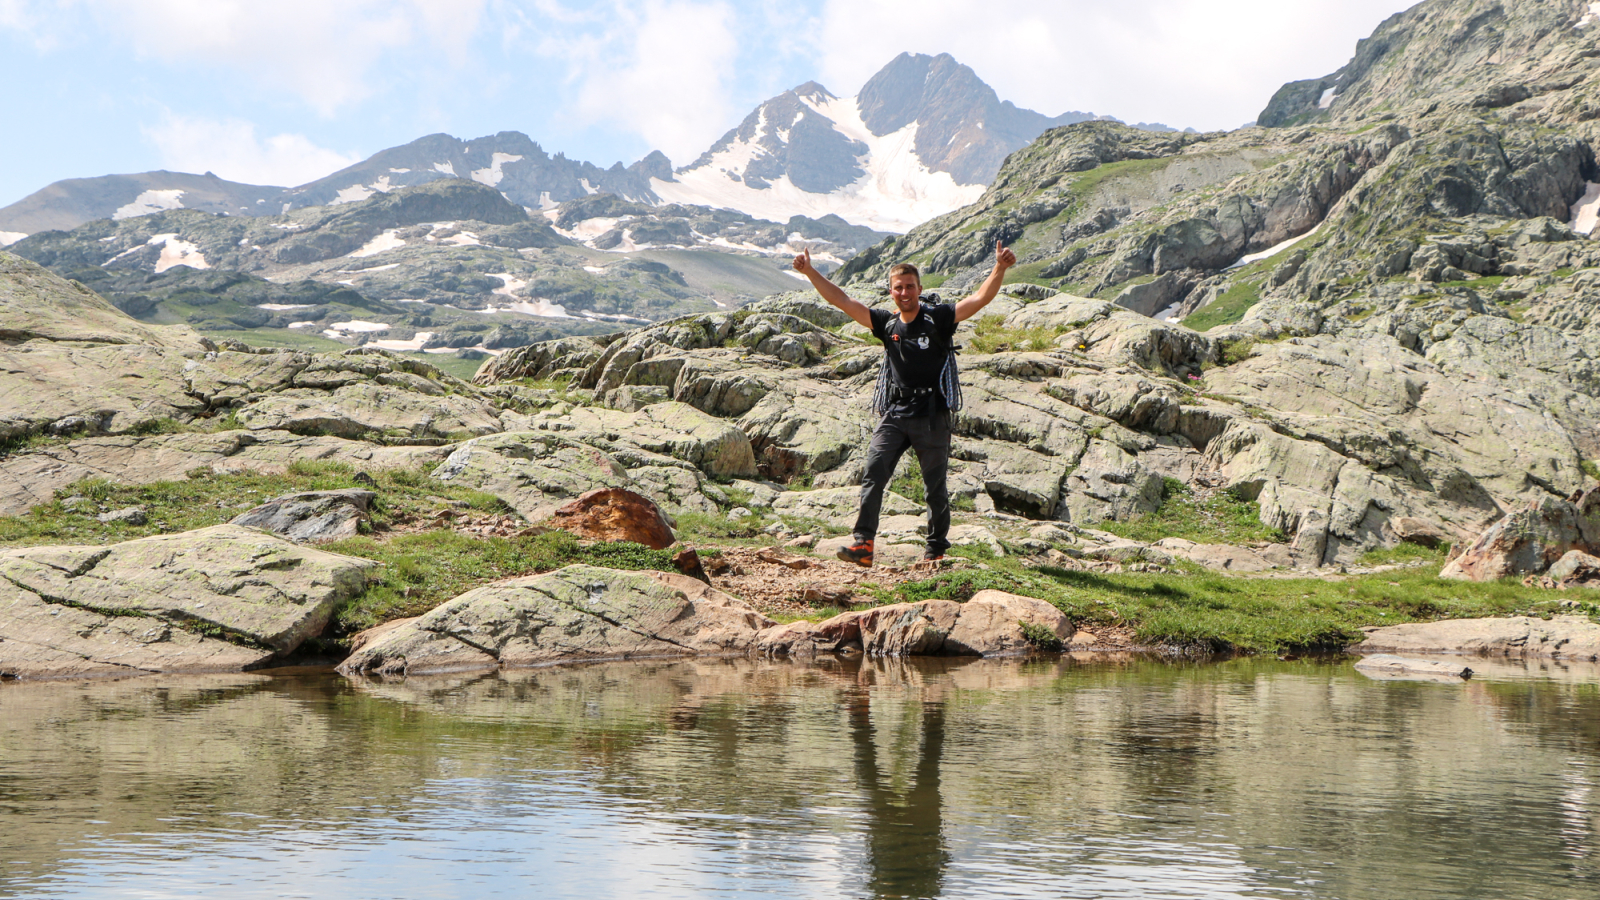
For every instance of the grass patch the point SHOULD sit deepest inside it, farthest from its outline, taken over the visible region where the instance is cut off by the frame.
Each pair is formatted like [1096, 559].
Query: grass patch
[206, 499]
[424, 569]
[1402, 553]
[990, 335]
[1590, 468]
[1221, 613]
[279, 338]
[1218, 518]
[1226, 309]
[908, 483]
[1235, 351]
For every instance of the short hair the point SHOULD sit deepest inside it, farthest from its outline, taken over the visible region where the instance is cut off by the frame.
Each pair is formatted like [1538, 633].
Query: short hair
[905, 269]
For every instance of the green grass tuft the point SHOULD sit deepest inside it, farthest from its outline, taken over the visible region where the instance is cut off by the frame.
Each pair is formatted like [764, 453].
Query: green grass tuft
[424, 569]
[1222, 613]
[1226, 309]
[989, 335]
[1218, 518]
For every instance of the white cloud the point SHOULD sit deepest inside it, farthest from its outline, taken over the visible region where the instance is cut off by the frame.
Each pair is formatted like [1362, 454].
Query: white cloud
[321, 51]
[1182, 62]
[662, 69]
[230, 148]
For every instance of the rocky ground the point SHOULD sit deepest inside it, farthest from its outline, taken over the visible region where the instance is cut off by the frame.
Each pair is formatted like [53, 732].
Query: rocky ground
[1411, 384]
[138, 457]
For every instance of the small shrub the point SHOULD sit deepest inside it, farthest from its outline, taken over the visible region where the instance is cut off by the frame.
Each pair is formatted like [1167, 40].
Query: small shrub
[1041, 637]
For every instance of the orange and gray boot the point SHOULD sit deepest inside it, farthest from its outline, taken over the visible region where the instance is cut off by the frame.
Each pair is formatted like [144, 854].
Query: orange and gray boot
[859, 553]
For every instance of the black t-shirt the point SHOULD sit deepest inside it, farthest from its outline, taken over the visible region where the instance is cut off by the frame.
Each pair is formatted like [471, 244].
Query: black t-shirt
[916, 352]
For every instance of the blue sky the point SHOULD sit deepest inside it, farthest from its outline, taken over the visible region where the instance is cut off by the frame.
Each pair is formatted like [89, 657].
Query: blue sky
[284, 91]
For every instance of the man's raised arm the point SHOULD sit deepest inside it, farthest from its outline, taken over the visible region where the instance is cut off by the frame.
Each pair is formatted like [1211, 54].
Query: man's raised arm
[831, 292]
[1003, 260]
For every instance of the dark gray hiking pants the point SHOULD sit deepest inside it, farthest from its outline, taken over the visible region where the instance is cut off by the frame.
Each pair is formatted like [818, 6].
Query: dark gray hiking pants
[929, 436]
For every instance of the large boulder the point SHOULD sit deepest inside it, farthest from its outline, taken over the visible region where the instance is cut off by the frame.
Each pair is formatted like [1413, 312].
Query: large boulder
[1530, 539]
[615, 514]
[395, 410]
[217, 598]
[534, 472]
[312, 516]
[574, 614]
[1563, 637]
[990, 624]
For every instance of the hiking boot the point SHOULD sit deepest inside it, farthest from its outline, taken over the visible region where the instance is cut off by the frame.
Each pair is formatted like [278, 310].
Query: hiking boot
[859, 553]
[932, 555]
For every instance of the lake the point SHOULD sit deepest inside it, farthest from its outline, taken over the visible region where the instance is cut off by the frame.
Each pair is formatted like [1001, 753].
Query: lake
[1051, 777]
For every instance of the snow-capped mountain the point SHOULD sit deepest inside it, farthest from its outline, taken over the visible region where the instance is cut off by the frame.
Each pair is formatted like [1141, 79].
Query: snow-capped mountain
[924, 136]
[509, 161]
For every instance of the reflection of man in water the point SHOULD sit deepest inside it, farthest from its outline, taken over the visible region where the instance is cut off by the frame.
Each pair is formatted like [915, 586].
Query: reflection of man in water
[905, 839]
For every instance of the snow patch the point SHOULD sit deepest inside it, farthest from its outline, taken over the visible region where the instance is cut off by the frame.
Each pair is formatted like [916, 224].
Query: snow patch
[447, 168]
[150, 202]
[1586, 212]
[537, 307]
[379, 244]
[355, 193]
[7, 238]
[589, 229]
[369, 270]
[302, 324]
[895, 193]
[280, 307]
[1272, 251]
[176, 253]
[1591, 17]
[509, 284]
[290, 226]
[587, 187]
[492, 175]
[355, 326]
[462, 239]
[395, 171]
[414, 344]
[594, 270]
[613, 318]
[545, 202]
[1327, 98]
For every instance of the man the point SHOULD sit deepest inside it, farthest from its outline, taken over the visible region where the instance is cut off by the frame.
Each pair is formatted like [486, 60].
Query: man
[917, 391]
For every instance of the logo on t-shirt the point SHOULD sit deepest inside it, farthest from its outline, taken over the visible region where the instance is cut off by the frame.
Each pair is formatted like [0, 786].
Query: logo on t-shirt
[922, 342]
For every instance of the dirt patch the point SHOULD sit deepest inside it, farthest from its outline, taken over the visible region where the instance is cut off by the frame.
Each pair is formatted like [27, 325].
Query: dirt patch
[777, 581]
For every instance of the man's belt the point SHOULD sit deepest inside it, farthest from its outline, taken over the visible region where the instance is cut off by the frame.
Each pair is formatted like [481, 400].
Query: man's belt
[903, 394]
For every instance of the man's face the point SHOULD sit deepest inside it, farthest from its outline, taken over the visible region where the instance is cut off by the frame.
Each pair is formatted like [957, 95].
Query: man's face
[905, 288]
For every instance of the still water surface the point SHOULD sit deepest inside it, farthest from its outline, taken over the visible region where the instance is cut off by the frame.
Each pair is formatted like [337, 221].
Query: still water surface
[1057, 778]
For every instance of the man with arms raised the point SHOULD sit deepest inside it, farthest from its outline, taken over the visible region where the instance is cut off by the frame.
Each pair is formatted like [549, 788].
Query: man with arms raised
[917, 390]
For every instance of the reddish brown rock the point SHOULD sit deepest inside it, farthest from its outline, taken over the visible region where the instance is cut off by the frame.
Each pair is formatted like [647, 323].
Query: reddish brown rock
[615, 514]
[1528, 540]
[687, 561]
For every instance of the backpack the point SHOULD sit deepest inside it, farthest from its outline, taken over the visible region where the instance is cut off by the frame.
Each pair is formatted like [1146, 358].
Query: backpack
[949, 377]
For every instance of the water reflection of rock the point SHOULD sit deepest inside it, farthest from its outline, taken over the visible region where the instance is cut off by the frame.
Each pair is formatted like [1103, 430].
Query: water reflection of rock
[1277, 771]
